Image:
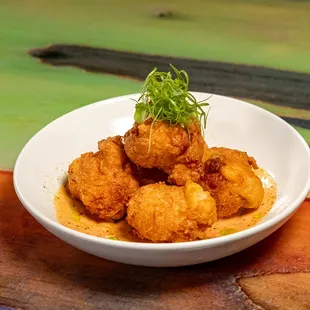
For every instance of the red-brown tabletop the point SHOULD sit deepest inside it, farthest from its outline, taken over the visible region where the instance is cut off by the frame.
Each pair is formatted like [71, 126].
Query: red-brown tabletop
[39, 271]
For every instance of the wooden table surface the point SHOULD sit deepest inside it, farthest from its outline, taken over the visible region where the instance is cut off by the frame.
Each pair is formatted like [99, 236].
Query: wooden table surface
[39, 271]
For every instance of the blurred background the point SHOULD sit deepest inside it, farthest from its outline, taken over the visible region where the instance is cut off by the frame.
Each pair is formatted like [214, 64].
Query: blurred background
[263, 33]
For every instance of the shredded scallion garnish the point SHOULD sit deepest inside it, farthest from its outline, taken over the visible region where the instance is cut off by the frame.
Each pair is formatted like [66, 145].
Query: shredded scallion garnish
[166, 98]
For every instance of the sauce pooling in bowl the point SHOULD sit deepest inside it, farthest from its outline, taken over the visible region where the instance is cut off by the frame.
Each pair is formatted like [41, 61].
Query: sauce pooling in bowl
[71, 213]
[247, 218]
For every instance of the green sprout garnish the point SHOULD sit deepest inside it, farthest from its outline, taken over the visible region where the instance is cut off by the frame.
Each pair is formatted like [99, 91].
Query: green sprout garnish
[164, 98]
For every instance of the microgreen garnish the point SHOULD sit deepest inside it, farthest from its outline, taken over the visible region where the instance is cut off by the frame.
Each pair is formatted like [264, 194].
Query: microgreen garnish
[164, 98]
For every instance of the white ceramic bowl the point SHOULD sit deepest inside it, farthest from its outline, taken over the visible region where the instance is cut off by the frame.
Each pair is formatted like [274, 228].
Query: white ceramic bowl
[40, 170]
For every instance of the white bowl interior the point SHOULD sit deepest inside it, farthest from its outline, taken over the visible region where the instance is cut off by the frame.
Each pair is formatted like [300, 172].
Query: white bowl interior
[277, 147]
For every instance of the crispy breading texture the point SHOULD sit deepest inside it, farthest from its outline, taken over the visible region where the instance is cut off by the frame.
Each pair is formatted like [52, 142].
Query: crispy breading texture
[228, 175]
[168, 213]
[183, 173]
[104, 181]
[163, 145]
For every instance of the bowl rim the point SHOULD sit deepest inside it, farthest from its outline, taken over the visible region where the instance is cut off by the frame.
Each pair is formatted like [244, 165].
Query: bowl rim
[188, 245]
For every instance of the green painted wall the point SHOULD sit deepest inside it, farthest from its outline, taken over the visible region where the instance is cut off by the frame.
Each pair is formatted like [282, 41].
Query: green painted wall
[270, 33]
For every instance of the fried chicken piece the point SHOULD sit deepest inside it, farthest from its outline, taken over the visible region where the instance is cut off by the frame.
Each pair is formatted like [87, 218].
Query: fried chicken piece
[183, 173]
[205, 154]
[104, 181]
[229, 176]
[169, 145]
[168, 213]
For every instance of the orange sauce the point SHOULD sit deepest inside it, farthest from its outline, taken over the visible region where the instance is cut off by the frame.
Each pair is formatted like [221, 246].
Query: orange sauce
[71, 213]
[247, 218]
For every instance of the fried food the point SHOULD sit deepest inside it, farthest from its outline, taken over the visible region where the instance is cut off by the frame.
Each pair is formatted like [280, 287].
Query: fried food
[104, 181]
[172, 186]
[205, 154]
[229, 176]
[150, 176]
[167, 213]
[182, 173]
[163, 145]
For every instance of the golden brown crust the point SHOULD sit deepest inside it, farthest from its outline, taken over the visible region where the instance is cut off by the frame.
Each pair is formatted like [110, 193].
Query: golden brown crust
[205, 152]
[170, 145]
[163, 213]
[183, 173]
[104, 181]
[229, 176]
